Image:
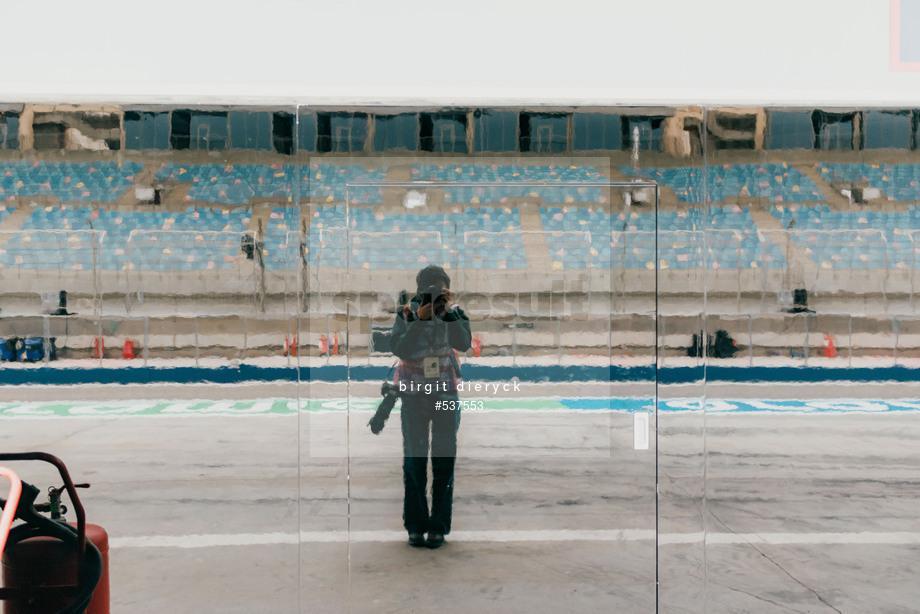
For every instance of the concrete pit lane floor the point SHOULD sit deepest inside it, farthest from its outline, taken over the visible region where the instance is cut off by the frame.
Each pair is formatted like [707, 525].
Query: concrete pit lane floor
[229, 499]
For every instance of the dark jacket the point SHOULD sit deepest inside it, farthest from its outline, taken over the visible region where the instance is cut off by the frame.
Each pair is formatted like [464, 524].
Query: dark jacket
[412, 338]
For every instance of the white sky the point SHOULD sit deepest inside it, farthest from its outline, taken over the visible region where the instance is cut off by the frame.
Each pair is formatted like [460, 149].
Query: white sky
[482, 51]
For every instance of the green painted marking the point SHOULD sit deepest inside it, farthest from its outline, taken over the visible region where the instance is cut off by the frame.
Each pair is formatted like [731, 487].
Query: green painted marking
[279, 407]
[59, 409]
[156, 409]
[282, 407]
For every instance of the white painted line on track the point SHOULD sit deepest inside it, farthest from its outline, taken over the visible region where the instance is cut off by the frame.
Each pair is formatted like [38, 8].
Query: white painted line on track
[805, 539]
[203, 541]
[614, 535]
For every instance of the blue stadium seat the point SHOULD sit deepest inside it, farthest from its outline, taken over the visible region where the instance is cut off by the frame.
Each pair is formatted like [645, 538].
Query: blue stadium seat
[372, 236]
[118, 226]
[863, 240]
[69, 182]
[513, 173]
[239, 183]
[778, 182]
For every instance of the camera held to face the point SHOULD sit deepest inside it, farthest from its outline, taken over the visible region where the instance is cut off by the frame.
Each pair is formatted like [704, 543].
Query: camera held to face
[435, 296]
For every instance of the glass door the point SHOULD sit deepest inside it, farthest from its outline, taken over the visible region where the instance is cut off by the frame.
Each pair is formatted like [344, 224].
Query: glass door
[523, 430]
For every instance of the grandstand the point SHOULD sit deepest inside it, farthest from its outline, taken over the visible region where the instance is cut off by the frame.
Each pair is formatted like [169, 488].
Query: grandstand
[136, 230]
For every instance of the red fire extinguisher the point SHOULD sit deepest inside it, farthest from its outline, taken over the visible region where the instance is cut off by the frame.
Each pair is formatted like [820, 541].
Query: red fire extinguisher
[830, 348]
[52, 553]
[477, 346]
[128, 351]
[323, 345]
[335, 344]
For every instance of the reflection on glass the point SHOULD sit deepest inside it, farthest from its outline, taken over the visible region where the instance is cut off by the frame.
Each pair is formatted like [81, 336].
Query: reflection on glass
[427, 336]
[642, 133]
[250, 130]
[666, 245]
[836, 131]
[239, 259]
[596, 131]
[544, 132]
[9, 130]
[887, 129]
[805, 413]
[531, 265]
[787, 129]
[146, 130]
[340, 132]
[158, 318]
[443, 132]
[495, 131]
[396, 132]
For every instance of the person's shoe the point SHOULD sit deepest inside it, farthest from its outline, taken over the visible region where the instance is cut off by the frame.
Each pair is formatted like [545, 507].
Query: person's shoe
[417, 540]
[435, 540]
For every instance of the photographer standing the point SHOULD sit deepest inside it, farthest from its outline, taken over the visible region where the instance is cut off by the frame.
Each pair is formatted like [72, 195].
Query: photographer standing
[426, 336]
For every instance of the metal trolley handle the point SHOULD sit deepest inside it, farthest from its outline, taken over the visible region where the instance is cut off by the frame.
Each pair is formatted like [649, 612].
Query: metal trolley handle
[9, 508]
[89, 559]
[68, 486]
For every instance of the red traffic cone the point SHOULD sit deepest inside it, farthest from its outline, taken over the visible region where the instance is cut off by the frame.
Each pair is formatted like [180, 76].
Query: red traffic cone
[98, 347]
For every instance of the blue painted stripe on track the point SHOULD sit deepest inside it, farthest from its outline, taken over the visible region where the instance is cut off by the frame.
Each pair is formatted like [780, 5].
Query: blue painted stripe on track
[722, 406]
[552, 373]
[141, 375]
[810, 374]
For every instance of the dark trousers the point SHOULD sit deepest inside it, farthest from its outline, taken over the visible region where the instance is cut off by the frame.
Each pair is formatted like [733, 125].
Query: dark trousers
[417, 414]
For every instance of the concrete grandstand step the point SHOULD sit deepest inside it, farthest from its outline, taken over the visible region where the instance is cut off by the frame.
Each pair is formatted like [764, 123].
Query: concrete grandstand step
[142, 179]
[259, 220]
[399, 173]
[772, 230]
[535, 248]
[17, 218]
[175, 193]
[833, 196]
